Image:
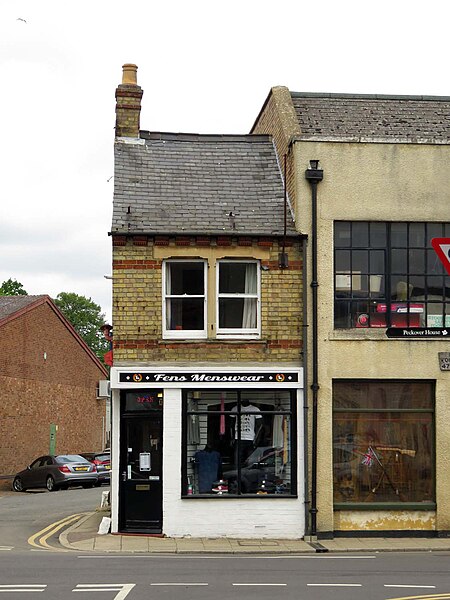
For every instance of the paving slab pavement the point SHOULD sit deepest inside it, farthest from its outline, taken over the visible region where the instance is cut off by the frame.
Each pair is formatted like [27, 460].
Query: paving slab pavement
[83, 536]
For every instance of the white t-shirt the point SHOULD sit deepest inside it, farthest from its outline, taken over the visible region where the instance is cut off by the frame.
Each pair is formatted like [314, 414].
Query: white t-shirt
[248, 422]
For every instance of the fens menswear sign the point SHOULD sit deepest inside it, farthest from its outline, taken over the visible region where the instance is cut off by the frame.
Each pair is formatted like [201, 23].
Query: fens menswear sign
[442, 248]
[202, 377]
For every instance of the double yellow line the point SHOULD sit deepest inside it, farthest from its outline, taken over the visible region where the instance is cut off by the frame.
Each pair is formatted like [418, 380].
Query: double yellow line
[39, 539]
[444, 596]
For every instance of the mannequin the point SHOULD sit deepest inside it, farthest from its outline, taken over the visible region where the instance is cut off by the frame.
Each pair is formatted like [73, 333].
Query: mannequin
[248, 430]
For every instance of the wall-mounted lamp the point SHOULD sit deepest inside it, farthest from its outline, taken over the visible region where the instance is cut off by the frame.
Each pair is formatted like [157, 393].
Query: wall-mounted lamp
[313, 172]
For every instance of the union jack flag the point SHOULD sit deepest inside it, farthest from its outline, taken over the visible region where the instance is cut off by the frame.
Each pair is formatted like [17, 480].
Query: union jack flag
[369, 457]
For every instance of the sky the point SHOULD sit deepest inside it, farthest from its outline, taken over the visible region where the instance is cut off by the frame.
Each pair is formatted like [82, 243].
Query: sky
[204, 66]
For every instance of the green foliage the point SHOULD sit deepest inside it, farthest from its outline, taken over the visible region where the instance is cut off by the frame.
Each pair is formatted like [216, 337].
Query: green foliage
[12, 287]
[86, 317]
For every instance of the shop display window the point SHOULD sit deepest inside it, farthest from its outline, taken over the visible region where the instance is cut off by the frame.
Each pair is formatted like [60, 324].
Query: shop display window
[239, 443]
[388, 275]
[383, 442]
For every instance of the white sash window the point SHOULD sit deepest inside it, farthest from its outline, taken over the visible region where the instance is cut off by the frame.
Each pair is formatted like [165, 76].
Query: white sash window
[238, 298]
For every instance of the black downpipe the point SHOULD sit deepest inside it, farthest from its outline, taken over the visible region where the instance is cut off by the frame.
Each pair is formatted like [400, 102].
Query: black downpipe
[314, 175]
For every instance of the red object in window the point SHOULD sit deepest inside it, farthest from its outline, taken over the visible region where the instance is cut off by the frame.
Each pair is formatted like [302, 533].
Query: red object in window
[399, 315]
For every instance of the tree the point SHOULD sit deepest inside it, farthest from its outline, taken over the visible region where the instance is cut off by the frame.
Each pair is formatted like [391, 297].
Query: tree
[12, 287]
[86, 317]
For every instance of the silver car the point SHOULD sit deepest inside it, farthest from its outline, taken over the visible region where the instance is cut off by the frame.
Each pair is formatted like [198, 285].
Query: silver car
[56, 472]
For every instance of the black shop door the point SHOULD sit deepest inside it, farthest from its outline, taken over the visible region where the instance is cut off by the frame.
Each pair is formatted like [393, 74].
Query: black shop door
[140, 495]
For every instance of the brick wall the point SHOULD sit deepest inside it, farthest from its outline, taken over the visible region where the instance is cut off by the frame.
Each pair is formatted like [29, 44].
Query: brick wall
[137, 303]
[36, 391]
[278, 119]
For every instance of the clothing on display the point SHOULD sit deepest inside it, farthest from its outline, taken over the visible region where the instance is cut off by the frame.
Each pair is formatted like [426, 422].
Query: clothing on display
[248, 422]
[209, 467]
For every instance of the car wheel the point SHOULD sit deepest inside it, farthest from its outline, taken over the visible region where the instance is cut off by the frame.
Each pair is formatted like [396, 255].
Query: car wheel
[50, 484]
[18, 485]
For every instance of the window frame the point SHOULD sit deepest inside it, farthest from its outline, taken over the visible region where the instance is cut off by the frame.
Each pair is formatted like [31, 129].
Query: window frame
[241, 333]
[390, 505]
[381, 309]
[184, 333]
[295, 445]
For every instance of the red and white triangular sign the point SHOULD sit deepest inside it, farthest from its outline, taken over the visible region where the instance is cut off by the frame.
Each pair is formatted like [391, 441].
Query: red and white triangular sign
[442, 248]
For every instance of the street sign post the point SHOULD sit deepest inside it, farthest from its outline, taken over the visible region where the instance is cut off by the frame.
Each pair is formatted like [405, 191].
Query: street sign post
[442, 248]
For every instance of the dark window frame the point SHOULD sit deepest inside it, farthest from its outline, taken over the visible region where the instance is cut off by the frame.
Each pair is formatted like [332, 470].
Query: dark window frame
[357, 304]
[294, 443]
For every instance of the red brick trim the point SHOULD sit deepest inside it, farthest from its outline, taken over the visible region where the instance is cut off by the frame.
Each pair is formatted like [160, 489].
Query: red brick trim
[224, 241]
[265, 242]
[136, 264]
[140, 240]
[244, 241]
[203, 241]
[119, 240]
[162, 240]
[183, 241]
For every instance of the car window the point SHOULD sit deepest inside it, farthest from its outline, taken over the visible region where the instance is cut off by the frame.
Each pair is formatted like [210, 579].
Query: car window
[102, 457]
[47, 461]
[65, 458]
[35, 464]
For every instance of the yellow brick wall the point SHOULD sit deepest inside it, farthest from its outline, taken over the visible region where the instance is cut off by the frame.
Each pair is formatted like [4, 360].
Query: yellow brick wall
[278, 119]
[137, 305]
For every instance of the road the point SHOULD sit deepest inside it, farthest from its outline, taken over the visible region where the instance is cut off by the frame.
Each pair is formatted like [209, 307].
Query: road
[57, 573]
[23, 514]
[313, 577]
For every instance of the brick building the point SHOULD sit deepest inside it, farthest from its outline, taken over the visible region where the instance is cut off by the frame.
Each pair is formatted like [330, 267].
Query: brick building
[382, 313]
[207, 383]
[48, 381]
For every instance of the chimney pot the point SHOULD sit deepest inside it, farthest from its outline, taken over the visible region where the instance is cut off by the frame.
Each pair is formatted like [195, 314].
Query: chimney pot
[128, 103]
[129, 74]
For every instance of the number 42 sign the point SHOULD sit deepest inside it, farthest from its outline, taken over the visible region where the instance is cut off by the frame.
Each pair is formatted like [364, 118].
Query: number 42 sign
[442, 248]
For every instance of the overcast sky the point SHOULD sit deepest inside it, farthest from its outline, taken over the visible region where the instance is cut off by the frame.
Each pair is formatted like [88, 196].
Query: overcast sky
[205, 66]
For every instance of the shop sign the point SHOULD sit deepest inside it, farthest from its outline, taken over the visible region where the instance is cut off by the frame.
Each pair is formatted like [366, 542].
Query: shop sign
[418, 333]
[206, 377]
[444, 361]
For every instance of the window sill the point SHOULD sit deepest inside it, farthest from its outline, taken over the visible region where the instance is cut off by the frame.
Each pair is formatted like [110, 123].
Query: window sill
[216, 340]
[429, 506]
[377, 333]
[236, 497]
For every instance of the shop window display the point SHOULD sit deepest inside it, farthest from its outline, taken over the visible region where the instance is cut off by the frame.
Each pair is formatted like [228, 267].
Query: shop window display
[383, 442]
[239, 443]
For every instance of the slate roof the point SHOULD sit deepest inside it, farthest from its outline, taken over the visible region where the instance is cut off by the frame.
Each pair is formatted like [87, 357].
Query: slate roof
[198, 184]
[12, 304]
[407, 118]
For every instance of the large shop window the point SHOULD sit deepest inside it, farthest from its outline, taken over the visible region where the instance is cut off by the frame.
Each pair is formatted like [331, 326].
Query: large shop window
[238, 298]
[184, 303]
[388, 275]
[239, 443]
[383, 442]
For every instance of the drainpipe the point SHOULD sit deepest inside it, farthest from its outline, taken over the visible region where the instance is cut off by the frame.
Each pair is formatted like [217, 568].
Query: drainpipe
[314, 175]
[305, 388]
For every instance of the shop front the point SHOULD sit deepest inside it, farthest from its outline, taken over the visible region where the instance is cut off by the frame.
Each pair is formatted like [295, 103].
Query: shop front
[213, 451]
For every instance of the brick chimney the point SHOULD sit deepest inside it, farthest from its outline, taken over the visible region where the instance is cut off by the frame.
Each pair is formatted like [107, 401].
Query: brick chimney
[128, 103]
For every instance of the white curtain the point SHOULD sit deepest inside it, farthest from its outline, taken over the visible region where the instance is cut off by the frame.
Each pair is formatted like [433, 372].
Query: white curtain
[249, 312]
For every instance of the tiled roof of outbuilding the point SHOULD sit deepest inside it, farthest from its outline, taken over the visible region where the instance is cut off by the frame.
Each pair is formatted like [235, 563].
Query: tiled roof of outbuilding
[12, 304]
[373, 116]
[198, 184]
